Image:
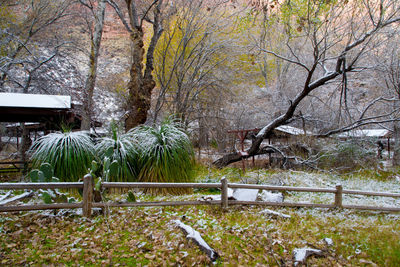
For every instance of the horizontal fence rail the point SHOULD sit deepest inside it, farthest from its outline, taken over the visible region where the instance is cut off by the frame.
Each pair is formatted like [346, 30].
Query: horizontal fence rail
[17, 186]
[160, 185]
[87, 203]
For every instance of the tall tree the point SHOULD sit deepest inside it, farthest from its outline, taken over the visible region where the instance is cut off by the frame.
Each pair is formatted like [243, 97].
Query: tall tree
[189, 53]
[389, 70]
[141, 83]
[95, 42]
[326, 40]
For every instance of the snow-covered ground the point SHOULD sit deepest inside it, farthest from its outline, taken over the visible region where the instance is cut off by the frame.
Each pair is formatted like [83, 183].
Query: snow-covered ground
[320, 180]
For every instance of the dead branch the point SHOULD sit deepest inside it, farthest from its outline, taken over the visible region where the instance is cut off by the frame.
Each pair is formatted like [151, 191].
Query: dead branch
[195, 236]
[5, 196]
[25, 195]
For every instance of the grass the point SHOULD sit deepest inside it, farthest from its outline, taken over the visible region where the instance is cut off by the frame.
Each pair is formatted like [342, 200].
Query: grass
[141, 236]
[241, 235]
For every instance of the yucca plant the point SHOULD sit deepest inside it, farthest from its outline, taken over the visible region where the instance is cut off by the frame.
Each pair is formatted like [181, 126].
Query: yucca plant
[69, 153]
[166, 155]
[123, 149]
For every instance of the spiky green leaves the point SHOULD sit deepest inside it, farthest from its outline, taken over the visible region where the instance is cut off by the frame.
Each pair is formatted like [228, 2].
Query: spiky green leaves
[150, 154]
[70, 154]
[119, 153]
[166, 154]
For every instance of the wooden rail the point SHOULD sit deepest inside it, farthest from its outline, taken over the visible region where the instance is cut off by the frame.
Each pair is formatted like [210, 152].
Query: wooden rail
[14, 168]
[87, 203]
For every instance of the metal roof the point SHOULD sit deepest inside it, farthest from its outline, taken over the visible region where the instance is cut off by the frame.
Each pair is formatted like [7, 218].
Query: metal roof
[16, 100]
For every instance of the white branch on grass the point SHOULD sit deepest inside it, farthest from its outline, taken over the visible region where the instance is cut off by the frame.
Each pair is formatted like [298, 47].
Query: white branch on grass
[16, 198]
[195, 236]
[300, 255]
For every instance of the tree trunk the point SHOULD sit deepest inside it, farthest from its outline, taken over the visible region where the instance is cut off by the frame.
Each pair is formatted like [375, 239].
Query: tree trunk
[141, 82]
[92, 73]
[139, 99]
[203, 133]
[25, 145]
[396, 148]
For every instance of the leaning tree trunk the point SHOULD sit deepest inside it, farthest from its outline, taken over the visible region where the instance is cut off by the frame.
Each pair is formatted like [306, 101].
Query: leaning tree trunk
[282, 119]
[93, 59]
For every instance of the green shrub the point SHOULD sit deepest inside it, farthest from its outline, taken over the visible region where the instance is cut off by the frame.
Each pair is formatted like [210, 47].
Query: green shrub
[166, 155]
[70, 154]
[149, 154]
[123, 149]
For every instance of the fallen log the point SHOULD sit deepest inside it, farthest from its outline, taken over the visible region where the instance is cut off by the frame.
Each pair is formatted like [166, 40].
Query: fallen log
[195, 236]
[16, 198]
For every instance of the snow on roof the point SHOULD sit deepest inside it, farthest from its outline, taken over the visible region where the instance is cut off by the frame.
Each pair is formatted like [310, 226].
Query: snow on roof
[34, 101]
[290, 130]
[366, 133]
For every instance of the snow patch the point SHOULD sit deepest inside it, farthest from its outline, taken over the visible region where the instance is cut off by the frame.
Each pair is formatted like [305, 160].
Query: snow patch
[35, 101]
[271, 197]
[241, 194]
[328, 241]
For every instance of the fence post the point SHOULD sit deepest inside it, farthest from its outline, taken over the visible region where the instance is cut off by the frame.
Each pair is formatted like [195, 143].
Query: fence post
[87, 198]
[338, 196]
[224, 193]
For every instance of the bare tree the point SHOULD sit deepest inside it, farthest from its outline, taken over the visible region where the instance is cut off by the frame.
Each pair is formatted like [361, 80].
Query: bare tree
[389, 70]
[189, 54]
[141, 82]
[95, 41]
[19, 37]
[326, 41]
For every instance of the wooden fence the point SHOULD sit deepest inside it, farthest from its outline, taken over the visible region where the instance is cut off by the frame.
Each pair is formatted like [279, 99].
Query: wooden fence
[88, 186]
[12, 166]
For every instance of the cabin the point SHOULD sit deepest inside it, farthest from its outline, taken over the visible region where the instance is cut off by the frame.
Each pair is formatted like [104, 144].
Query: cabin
[40, 115]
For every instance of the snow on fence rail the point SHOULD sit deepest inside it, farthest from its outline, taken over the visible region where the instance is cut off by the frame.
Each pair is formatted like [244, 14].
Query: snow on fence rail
[88, 186]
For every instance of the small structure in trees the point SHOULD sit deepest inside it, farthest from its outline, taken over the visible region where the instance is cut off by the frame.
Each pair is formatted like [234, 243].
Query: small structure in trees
[32, 114]
[284, 132]
[39, 112]
[382, 135]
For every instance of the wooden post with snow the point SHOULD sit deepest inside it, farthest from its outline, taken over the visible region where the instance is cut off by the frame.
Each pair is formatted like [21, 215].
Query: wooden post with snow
[87, 198]
[224, 193]
[339, 196]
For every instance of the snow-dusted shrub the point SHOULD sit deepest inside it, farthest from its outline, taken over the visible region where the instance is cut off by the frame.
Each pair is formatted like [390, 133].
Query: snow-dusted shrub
[349, 155]
[123, 149]
[166, 154]
[69, 153]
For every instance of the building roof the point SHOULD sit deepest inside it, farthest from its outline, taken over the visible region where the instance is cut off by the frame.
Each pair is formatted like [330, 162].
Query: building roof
[291, 130]
[15, 100]
[359, 133]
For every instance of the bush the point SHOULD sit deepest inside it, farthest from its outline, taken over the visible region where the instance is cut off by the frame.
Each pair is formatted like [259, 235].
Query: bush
[122, 148]
[149, 154]
[69, 153]
[349, 155]
[166, 155]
